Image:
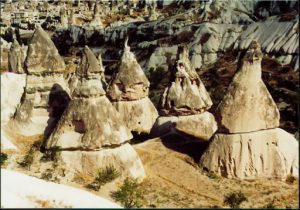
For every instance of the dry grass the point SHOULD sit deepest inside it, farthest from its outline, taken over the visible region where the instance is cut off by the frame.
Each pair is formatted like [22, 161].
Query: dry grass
[174, 182]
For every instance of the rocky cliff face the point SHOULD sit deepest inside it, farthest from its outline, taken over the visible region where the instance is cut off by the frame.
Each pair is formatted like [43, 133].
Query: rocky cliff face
[211, 27]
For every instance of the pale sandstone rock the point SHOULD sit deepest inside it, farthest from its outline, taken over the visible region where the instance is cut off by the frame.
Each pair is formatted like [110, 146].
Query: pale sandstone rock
[91, 133]
[42, 54]
[130, 82]
[89, 124]
[16, 58]
[248, 106]
[45, 98]
[124, 158]
[138, 115]
[90, 121]
[269, 153]
[46, 92]
[201, 126]
[128, 90]
[184, 104]
[186, 94]
[12, 89]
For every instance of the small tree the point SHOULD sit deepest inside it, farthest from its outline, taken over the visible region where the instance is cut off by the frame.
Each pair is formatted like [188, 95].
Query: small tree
[234, 199]
[130, 194]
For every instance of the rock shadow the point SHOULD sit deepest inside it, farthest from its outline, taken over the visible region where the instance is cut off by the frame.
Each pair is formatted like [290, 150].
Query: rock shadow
[57, 103]
[185, 144]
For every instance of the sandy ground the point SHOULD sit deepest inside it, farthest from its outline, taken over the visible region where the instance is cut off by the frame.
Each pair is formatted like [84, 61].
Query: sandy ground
[174, 180]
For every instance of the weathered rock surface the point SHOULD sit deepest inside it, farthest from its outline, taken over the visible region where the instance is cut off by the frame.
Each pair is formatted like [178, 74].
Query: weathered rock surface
[128, 90]
[186, 94]
[91, 133]
[184, 103]
[201, 126]
[45, 99]
[250, 145]
[124, 158]
[42, 54]
[138, 115]
[269, 153]
[12, 89]
[89, 124]
[46, 95]
[130, 82]
[16, 58]
[248, 105]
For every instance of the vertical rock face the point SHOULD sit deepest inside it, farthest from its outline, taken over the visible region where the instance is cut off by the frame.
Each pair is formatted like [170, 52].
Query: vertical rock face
[46, 92]
[16, 58]
[250, 144]
[248, 105]
[93, 128]
[129, 91]
[42, 54]
[184, 103]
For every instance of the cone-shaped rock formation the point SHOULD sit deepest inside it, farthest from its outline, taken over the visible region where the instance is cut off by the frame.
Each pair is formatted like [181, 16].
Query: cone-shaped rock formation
[248, 105]
[92, 128]
[42, 55]
[128, 91]
[249, 144]
[46, 92]
[184, 103]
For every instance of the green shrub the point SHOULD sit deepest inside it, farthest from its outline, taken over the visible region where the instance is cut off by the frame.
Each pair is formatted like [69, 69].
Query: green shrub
[130, 194]
[3, 158]
[234, 199]
[103, 176]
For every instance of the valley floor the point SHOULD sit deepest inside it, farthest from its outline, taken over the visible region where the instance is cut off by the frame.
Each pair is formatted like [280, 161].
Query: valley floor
[175, 181]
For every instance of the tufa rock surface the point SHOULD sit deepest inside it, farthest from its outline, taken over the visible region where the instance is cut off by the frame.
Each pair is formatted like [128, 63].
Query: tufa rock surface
[16, 58]
[91, 133]
[128, 91]
[90, 121]
[269, 153]
[46, 95]
[249, 144]
[184, 103]
[248, 105]
[42, 54]
[186, 93]
[130, 82]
